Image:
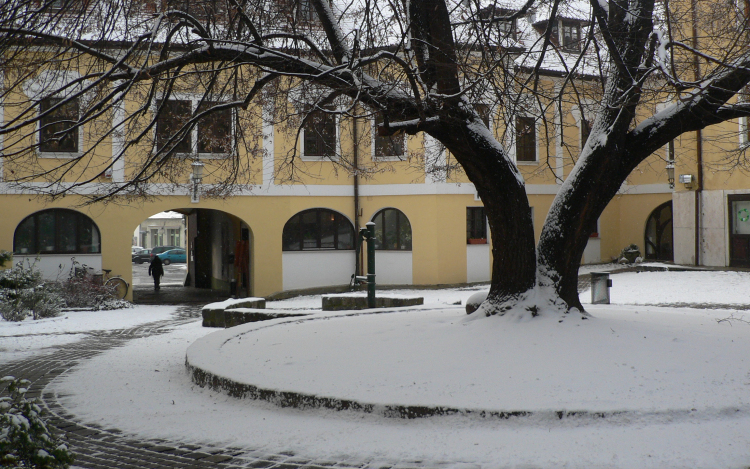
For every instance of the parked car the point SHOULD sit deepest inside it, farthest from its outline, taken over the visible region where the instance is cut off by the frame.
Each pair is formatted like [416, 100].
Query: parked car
[176, 256]
[136, 249]
[161, 249]
[144, 255]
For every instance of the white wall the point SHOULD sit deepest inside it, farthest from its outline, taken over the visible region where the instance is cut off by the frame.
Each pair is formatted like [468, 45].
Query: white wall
[593, 252]
[683, 223]
[393, 268]
[57, 266]
[478, 263]
[308, 269]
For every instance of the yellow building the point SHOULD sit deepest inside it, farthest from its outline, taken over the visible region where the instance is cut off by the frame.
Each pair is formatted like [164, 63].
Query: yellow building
[301, 228]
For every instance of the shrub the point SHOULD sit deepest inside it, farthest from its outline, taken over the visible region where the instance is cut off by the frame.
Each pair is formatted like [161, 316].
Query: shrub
[25, 439]
[84, 290]
[24, 293]
[5, 256]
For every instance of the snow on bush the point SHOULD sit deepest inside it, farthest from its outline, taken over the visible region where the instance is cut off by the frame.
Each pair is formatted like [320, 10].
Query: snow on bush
[24, 293]
[83, 290]
[25, 439]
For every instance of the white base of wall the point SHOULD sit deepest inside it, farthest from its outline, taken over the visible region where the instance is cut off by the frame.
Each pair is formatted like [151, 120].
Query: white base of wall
[309, 269]
[593, 252]
[57, 266]
[478, 263]
[393, 268]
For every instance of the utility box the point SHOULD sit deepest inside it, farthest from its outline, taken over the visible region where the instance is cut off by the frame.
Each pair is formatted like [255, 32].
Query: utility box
[600, 284]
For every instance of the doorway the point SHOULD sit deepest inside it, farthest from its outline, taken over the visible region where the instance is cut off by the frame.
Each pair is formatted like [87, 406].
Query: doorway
[739, 230]
[658, 238]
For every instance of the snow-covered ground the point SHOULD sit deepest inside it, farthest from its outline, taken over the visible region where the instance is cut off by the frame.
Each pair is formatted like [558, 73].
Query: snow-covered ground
[19, 340]
[679, 378]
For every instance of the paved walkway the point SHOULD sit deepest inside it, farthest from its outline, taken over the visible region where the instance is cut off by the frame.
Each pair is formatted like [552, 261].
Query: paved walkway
[100, 448]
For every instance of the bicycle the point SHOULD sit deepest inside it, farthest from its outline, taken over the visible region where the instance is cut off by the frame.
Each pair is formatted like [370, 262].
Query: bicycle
[116, 284]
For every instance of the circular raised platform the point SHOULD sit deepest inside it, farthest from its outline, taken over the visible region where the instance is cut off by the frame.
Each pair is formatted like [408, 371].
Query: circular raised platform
[433, 362]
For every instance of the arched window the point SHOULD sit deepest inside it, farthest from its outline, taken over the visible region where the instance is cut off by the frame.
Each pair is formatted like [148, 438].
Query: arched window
[392, 230]
[57, 231]
[318, 229]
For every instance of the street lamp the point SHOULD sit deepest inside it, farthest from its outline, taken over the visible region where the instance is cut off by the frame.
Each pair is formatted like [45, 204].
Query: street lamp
[196, 176]
[670, 173]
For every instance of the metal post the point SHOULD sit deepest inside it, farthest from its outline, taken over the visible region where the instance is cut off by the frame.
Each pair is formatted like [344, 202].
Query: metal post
[370, 264]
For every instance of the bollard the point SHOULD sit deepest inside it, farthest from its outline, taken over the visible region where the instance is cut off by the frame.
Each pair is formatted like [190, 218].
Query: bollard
[600, 284]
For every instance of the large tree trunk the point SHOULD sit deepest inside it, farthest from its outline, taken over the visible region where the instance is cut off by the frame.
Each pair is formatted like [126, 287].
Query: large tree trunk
[502, 190]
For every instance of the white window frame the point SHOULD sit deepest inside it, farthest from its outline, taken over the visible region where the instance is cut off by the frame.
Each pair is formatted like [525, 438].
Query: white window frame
[337, 145]
[536, 139]
[577, 114]
[57, 154]
[374, 133]
[194, 101]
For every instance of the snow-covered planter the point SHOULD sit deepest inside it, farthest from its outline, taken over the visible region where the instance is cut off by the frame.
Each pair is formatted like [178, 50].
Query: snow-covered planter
[25, 439]
[631, 253]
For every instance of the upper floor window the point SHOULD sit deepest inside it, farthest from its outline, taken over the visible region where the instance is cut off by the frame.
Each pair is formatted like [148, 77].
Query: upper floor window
[319, 134]
[317, 229]
[571, 35]
[58, 132]
[484, 111]
[392, 230]
[212, 135]
[585, 131]
[388, 145]
[57, 231]
[507, 28]
[525, 138]
[476, 225]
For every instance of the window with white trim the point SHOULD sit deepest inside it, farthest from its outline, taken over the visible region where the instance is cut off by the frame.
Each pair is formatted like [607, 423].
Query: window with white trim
[319, 135]
[58, 132]
[526, 139]
[387, 145]
[211, 136]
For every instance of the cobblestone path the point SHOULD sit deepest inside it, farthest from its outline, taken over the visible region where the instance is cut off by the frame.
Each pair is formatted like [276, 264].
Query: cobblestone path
[100, 448]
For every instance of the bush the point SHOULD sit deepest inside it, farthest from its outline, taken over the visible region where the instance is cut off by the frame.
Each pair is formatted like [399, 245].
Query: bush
[5, 256]
[24, 293]
[25, 439]
[82, 289]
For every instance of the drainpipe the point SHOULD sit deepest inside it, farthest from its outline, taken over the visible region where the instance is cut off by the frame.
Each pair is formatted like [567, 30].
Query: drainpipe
[355, 164]
[698, 143]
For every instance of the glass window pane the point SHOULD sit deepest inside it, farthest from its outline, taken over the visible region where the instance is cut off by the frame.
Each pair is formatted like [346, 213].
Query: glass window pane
[320, 134]
[327, 230]
[309, 229]
[388, 145]
[215, 130]
[378, 220]
[741, 215]
[345, 234]
[390, 239]
[46, 231]
[23, 242]
[174, 114]
[56, 130]
[291, 235]
[67, 238]
[404, 234]
[525, 139]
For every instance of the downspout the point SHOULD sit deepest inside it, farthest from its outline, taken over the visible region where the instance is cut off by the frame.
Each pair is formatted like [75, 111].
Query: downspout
[355, 165]
[698, 143]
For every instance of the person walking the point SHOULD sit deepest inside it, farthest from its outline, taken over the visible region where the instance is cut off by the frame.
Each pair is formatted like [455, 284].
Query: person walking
[156, 270]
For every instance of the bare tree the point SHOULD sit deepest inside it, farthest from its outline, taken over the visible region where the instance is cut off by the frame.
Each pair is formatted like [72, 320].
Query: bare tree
[421, 65]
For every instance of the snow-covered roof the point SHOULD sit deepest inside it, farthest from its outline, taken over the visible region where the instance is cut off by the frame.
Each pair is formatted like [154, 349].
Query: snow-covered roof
[168, 214]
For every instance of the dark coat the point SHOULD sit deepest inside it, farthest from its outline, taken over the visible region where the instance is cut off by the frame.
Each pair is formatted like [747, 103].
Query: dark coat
[156, 269]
